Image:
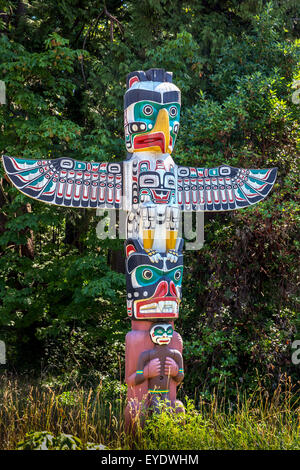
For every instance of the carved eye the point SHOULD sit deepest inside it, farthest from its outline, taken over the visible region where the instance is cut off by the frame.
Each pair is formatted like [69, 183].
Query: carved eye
[149, 181]
[159, 331]
[67, 164]
[169, 181]
[177, 275]
[169, 331]
[148, 110]
[147, 274]
[173, 111]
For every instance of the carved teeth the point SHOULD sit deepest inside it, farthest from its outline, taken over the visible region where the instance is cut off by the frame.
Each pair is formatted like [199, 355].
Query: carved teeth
[163, 306]
[150, 307]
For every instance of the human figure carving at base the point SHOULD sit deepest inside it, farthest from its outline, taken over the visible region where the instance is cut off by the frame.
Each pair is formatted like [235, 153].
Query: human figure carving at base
[159, 366]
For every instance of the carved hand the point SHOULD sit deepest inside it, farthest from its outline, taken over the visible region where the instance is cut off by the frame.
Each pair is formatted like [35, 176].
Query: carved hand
[154, 255]
[171, 368]
[152, 369]
[172, 256]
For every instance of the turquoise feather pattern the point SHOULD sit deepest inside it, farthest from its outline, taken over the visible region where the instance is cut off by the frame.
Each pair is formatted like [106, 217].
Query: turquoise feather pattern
[67, 182]
[222, 188]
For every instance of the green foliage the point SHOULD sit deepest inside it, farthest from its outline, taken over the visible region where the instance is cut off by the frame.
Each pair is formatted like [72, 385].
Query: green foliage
[47, 441]
[47, 417]
[246, 428]
[55, 416]
[62, 305]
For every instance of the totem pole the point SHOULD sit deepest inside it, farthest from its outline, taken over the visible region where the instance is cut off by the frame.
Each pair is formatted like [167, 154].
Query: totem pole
[153, 190]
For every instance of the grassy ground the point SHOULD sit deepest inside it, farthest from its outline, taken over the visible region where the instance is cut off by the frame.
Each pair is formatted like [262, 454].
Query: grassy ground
[256, 422]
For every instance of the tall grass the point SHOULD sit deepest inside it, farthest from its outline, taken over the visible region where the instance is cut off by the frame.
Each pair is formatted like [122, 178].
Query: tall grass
[255, 422]
[259, 421]
[85, 413]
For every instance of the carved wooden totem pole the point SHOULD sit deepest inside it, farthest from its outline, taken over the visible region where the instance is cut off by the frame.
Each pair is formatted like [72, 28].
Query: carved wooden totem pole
[153, 190]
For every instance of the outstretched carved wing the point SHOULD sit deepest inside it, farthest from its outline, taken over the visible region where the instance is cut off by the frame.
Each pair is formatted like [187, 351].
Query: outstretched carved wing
[222, 188]
[67, 182]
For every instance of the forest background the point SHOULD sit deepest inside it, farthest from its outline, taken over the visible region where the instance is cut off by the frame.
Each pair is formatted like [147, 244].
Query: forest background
[62, 290]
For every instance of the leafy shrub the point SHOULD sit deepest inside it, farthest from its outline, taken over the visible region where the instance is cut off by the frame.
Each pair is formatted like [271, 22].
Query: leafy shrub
[47, 441]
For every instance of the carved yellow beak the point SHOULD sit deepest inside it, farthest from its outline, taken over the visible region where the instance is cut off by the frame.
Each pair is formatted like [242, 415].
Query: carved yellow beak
[162, 124]
[158, 139]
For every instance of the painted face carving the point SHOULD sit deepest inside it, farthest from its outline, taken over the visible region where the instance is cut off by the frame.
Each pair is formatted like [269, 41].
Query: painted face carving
[151, 112]
[161, 333]
[157, 187]
[153, 291]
